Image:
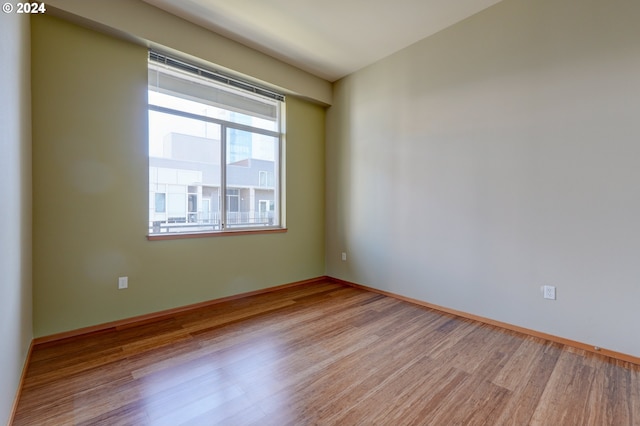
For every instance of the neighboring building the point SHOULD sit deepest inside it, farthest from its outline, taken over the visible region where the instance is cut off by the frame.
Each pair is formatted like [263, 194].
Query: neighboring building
[184, 186]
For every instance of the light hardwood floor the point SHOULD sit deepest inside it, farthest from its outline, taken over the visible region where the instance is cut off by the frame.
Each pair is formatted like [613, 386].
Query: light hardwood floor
[322, 354]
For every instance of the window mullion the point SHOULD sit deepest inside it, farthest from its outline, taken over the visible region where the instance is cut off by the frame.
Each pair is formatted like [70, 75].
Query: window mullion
[223, 177]
[214, 120]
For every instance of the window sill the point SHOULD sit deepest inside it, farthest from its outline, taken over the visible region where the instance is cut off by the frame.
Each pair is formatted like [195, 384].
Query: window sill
[184, 235]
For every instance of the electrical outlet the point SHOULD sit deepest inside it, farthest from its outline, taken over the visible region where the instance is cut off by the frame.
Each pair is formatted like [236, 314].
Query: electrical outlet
[549, 292]
[344, 256]
[123, 282]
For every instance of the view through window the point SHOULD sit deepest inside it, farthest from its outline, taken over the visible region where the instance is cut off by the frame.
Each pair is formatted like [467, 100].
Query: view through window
[214, 151]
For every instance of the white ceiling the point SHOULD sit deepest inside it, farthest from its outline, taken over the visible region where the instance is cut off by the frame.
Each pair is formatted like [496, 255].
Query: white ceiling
[328, 38]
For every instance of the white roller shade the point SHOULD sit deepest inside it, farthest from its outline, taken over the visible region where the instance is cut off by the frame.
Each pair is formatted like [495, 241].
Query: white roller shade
[177, 78]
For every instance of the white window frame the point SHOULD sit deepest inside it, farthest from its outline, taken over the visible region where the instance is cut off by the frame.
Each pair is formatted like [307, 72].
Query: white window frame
[225, 225]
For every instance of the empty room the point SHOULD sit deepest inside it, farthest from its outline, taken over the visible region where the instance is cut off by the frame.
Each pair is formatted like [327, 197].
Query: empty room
[283, 212]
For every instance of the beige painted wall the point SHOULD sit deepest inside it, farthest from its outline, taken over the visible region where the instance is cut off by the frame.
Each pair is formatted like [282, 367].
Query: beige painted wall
[492, 158]
[15, 206]
[90, 174]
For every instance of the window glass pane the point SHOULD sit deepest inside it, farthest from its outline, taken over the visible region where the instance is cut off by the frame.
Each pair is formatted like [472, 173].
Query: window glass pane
[184, 154]
[160, 203]
[251, 160]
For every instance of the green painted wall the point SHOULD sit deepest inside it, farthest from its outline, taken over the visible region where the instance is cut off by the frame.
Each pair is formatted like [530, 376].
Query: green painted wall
[146, 24]
[90, 173]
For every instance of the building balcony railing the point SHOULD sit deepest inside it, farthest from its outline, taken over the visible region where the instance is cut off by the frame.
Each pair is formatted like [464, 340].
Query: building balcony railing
[199, 222]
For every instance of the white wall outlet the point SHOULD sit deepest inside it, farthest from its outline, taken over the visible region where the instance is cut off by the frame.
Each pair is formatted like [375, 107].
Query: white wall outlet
[549, 292]
[123, 282]
[344, 256]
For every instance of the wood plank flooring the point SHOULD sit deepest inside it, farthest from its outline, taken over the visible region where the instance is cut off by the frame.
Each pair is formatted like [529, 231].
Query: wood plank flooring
[322, 354]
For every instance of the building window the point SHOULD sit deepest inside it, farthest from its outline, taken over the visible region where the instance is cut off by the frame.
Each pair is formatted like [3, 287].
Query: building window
[161, 202]
[262, 178]
[215, 147]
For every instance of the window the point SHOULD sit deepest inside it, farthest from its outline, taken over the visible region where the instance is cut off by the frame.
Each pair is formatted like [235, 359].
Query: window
[262, 178]
[215, 147]
[160, 202]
